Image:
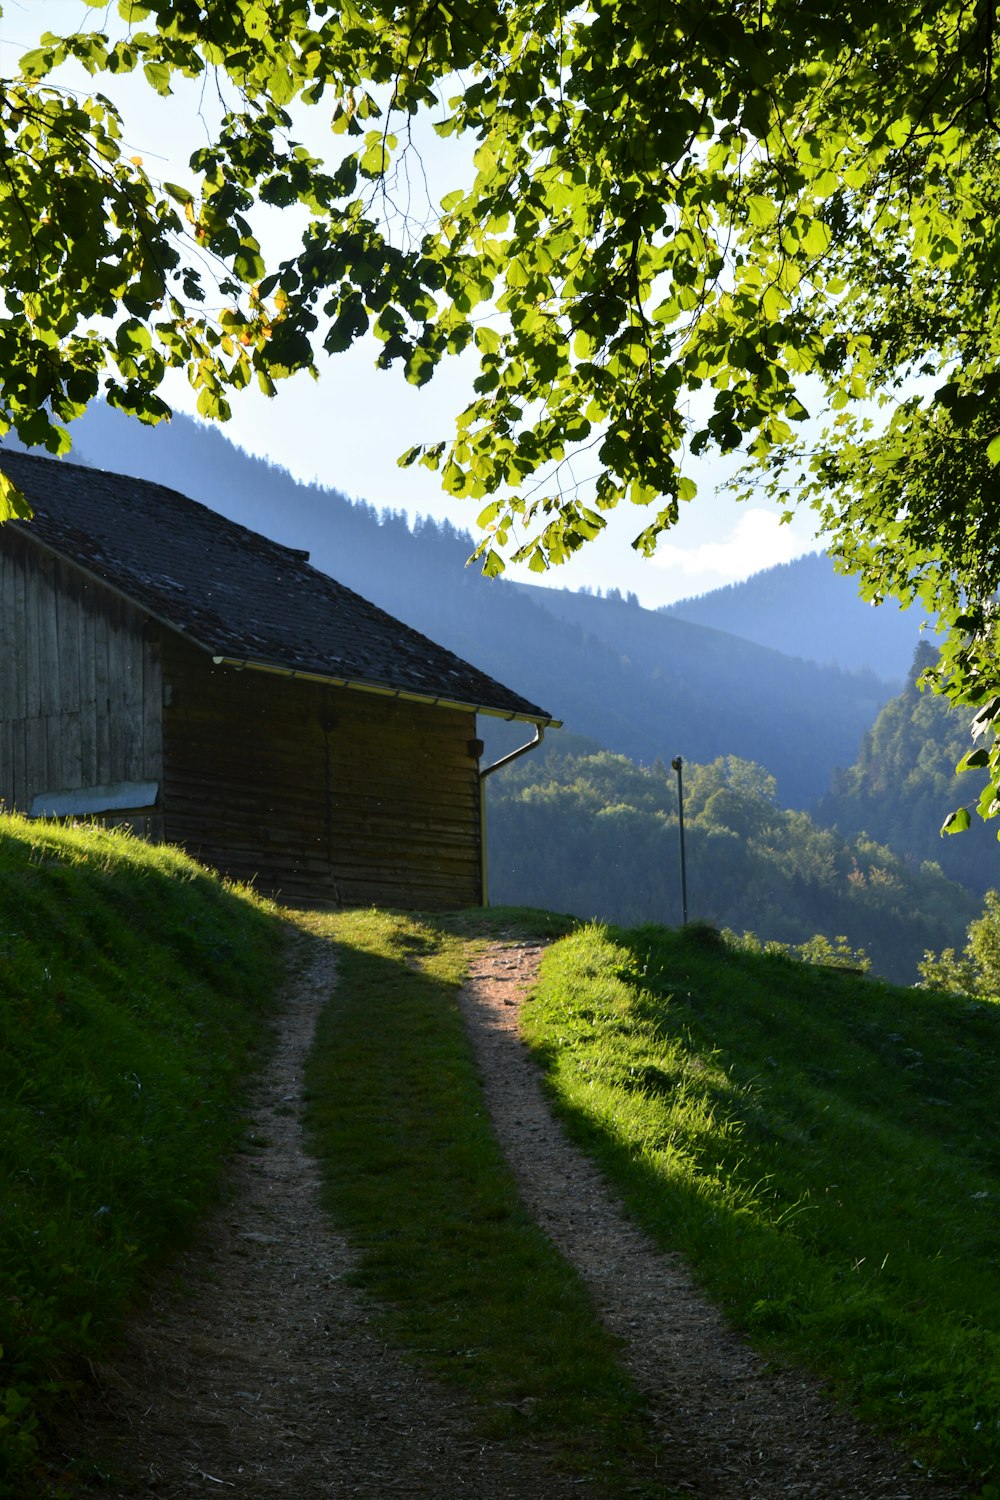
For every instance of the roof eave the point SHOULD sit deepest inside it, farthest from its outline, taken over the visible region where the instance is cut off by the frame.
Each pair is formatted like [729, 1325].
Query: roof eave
[356, 684]
[406, 695]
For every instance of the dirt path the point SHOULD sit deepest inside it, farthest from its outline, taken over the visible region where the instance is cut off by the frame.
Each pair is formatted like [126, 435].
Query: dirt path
[258, 1373]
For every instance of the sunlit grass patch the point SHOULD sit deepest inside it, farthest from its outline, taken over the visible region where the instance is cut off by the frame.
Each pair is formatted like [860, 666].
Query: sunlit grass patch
[821, 1146]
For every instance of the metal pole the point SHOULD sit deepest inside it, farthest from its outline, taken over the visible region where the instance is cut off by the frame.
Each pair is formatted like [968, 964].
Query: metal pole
[677, 763]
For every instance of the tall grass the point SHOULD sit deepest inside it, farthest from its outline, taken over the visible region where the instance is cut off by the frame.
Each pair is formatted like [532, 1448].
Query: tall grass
[823, 1147]
[135, 991]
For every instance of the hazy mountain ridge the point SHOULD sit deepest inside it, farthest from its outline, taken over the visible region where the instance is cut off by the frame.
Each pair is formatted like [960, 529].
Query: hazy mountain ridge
[641, 682]
[807, 608]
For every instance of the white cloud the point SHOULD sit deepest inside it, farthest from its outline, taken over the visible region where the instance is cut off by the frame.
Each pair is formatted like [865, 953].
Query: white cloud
[758, 540]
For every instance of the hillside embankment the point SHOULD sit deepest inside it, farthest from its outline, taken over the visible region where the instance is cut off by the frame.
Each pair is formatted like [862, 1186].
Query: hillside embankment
[410, 1280]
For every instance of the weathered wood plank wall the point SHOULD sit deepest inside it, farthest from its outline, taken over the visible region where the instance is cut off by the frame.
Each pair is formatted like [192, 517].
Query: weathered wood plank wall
[321, 795]
[80, 690]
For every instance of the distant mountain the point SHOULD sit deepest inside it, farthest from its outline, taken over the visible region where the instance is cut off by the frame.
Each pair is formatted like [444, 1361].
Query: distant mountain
[807, 609]
[640, 682]
[716, 687]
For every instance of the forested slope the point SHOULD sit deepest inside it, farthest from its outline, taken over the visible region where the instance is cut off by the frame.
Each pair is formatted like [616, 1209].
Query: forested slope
[587, 832]
[903, 784]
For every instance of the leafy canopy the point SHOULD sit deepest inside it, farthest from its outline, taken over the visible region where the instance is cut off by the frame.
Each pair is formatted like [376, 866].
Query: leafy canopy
[680, 225]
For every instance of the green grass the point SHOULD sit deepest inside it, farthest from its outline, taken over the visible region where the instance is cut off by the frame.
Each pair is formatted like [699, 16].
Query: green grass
[135, 995]
[413, 1173]
[822, 1147]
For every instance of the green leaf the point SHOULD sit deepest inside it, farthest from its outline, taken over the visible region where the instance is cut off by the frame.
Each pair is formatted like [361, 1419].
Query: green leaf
[248, 263]
[487, 340]
[453, 478]
[212, 404]
[420, 366]
[36, 63]
[774, 303]
[374, 162]
[282, 86]
[957, 821]
[761, 211]
[133, 337]
[816, 240]
[179, 194]
[13, 504]
[157, 76]
[256, 21]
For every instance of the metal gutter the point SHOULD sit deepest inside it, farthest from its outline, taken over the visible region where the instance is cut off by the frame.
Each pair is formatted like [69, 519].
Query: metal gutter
[497, 765]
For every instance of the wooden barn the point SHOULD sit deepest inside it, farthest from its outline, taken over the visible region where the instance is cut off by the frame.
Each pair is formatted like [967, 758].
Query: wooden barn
[167, 668]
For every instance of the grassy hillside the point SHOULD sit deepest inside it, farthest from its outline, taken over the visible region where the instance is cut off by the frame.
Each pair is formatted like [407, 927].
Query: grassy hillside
[823, 1149]
[461, 1273]
[135, 995]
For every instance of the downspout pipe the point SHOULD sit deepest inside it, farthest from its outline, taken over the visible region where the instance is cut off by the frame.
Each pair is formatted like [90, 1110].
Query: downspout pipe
[498, 765]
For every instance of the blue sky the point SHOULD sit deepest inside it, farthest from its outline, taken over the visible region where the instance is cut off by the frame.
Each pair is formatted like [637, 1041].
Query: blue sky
[347, 429]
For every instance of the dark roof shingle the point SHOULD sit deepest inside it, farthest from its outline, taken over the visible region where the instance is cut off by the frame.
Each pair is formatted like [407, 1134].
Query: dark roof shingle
[235, 592]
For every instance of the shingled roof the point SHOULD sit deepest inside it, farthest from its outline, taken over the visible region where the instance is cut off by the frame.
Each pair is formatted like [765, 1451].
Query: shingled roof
[243, 598]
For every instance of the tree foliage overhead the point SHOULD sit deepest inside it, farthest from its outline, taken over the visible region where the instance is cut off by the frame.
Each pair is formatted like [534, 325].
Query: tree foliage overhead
[680, 226]
[662, 199]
